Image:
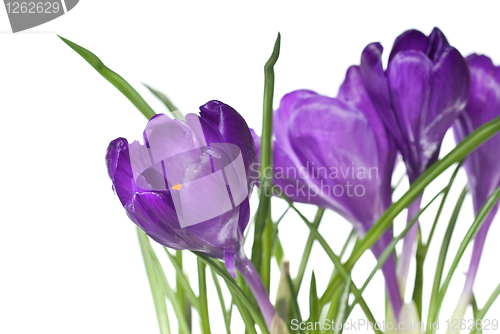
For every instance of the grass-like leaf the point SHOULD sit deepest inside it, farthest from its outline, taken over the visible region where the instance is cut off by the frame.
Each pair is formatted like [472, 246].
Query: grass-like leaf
[343, 307]
[225, 312]
[235, 290]
[170, 106]
[155, 285]
[307, 252]
[444, 252]
[183, 281]
[114, 78]
[489, 302]
[388, 251]
[202, 285]
[314, 311]
[480, 218]
[266, 156]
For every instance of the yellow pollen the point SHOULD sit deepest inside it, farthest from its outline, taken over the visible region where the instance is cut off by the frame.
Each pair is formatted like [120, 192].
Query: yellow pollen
[178, 186]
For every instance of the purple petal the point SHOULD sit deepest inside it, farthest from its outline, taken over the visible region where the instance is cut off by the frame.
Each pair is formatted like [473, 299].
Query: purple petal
[120, 170]
[223, 124]
[281, 116]
[377, 87]
[438, 44]
[153, 212]
[328, 132]
[410, 77]
[410, 40]
[482, 106]
[229, 260]
[353, 92]
[166, 137]
[450, 88]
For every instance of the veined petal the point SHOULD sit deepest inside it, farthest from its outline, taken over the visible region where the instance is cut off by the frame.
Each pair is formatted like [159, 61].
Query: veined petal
[328, 132]
[410, 40]
[222, 124]
[450, 88]
[438, 44]
[120, 170]
[377, 87]
[410, 77]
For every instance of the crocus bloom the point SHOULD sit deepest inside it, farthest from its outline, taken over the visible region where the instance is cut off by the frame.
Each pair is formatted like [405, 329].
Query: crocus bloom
[187, 186]
[335, 153]
[418, 98]
[482, 166]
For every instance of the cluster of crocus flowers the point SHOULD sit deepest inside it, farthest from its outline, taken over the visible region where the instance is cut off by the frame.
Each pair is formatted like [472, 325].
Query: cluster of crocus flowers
[187, 186]
[482, 166]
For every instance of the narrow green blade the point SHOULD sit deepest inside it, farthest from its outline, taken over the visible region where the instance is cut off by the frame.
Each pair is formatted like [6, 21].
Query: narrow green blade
[114, 78]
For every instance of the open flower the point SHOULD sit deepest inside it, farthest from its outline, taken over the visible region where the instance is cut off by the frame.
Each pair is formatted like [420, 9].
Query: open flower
[482, 166]
[335, 153]
[187, 186]
[418, 97]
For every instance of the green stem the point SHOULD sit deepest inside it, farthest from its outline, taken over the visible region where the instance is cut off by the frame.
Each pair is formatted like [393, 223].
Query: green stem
[418, 289]
[489, 302]
[266, 156]
[202, 280]
[267, 254]
[184, 282]
[442, 255]
[307, 252]
[236, 291]
[336, 261]
[225, 312]
[471, 233]
[154, 282]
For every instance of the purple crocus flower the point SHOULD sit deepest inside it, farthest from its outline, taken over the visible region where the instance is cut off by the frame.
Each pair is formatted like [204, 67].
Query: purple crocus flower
[187, 186]
[335, 153]
[482, 166]
[418, 97]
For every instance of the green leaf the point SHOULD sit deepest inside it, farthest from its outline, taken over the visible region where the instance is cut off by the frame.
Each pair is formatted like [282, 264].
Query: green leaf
[245, 315]
[295, 305]
[418, 289]
[489, 302]
[266, 156]
[480, 218]
[475, 312]
[225, 313]
[236, 291]
[116, 80]
[156, 286]
[202, 283]
[388, 251]
[335, 259]
[183, 280]
[170, 106]
[307, 252]
[444, 251]
[343, 307]
[314, 311]
[179, 312]
[440, 210]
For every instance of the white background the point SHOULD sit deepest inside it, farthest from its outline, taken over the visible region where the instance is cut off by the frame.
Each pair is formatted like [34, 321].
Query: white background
[69, 257]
